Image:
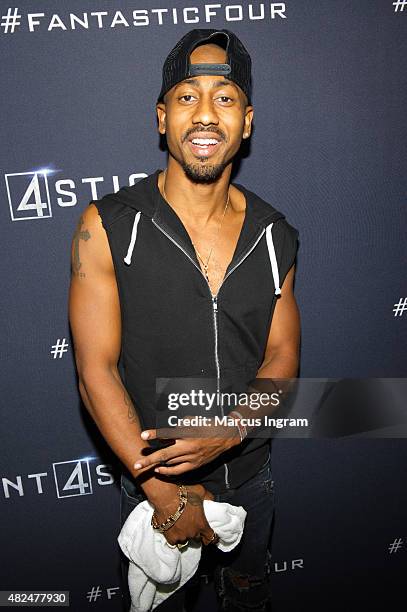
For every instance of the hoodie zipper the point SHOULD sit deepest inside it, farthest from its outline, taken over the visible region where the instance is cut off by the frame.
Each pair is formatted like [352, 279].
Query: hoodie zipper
[215, 313]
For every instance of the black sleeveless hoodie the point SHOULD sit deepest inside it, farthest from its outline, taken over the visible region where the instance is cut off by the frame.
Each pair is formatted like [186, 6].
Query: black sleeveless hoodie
[172, 326]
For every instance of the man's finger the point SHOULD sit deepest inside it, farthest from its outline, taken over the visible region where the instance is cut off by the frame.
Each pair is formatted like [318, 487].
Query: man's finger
[177, 431]
[161, 456]
[176, 460]
[183, 430]
[207, 535]
[180, 468]
[161, 432]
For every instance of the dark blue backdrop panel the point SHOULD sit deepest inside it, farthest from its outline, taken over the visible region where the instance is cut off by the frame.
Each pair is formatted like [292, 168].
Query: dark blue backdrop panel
[79, 82]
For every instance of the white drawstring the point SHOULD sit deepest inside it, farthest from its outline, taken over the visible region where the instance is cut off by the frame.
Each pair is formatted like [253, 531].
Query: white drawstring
[273, 259]
[127, 259]
[270, 247]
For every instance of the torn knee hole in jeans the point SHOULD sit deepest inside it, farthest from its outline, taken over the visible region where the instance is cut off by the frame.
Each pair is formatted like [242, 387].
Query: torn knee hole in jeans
[239, 591]
[241, 581]
[245, 581]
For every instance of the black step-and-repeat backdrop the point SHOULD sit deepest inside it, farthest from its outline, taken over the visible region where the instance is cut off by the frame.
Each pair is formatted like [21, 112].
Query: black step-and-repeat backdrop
[79, 81]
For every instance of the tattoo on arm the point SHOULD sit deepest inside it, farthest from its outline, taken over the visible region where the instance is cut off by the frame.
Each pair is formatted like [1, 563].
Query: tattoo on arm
[78, 235]
[131, 412]
[194, 499]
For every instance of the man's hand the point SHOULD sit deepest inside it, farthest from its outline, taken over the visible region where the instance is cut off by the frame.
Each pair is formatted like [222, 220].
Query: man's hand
[188, 448]
[192, 524]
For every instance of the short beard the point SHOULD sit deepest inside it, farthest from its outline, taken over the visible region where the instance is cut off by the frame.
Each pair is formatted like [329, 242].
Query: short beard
[203, 174]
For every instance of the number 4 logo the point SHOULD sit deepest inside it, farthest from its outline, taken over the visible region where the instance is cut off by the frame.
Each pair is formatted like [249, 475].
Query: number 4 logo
[25, 198]
[72, 478]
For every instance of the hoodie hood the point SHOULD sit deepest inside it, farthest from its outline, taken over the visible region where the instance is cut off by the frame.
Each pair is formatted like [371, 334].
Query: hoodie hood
[145, 199]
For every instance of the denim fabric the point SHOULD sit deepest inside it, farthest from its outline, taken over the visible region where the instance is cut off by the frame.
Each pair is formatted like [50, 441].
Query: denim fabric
[241, 577]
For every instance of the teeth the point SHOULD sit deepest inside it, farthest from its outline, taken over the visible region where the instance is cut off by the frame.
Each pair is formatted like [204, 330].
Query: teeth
[204, 141]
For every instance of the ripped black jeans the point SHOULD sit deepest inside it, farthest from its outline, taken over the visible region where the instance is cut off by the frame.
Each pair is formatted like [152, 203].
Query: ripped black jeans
[241, 577]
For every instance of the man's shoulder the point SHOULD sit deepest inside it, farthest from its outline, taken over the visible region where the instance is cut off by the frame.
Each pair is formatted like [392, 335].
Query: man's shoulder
[266, 212]
[128, 200]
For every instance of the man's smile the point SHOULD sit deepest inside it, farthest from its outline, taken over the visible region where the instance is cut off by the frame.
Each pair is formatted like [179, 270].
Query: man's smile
[204, 146]
[204, 143]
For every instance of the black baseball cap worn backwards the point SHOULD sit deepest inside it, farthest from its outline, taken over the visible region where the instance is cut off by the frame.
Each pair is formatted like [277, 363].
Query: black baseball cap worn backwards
[177, 66]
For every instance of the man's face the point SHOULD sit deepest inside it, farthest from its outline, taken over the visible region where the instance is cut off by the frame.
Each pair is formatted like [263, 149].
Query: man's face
[207, 106]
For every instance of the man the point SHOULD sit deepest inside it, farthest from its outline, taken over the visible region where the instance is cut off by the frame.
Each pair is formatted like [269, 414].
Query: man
[179, 277]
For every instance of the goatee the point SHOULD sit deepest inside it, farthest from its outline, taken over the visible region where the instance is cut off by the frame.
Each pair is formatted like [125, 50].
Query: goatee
[203, 173]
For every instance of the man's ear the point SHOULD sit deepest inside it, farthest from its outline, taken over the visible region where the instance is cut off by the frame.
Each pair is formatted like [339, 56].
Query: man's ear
[248, 118]
[161, 114]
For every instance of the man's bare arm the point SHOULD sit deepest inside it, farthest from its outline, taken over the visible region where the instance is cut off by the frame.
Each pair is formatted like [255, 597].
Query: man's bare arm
[281, 357]
[95, 319]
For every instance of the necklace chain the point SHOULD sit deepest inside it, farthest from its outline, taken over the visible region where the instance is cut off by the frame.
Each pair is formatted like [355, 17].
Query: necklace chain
[204, 263]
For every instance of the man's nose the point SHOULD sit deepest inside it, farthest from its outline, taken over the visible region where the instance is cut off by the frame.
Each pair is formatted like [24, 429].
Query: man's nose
[205, 111]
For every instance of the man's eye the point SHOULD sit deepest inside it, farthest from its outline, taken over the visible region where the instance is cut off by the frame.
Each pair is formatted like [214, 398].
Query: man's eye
[190, 96]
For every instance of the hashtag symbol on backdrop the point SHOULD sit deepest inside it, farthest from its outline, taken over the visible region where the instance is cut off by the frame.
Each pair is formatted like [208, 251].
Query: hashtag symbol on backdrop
[59, 348]
[395, 545]
[401, 305]
[11, 20]
[94, 593]
[400, 4]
